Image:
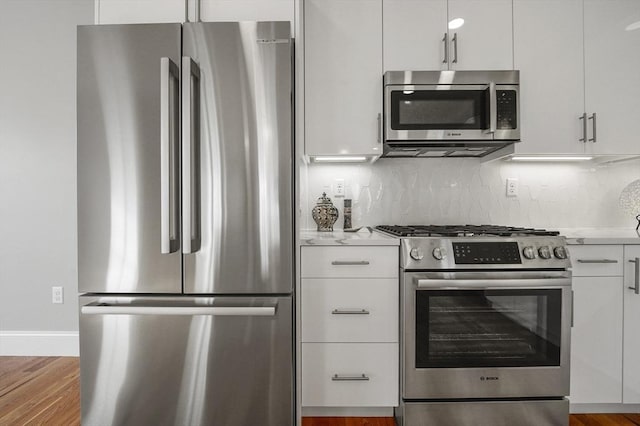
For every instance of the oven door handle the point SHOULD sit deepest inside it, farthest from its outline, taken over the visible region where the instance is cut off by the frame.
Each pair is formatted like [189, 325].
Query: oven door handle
[492, 283]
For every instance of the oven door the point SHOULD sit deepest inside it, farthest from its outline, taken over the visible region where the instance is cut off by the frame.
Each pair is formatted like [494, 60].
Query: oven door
[486, 335]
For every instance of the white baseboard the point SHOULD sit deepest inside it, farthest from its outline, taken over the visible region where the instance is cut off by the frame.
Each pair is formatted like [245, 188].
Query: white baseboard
[604, 408]
[39, 343]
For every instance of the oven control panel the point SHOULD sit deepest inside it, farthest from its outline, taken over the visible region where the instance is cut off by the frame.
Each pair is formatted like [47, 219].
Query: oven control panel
[471, 253]
[486, 253]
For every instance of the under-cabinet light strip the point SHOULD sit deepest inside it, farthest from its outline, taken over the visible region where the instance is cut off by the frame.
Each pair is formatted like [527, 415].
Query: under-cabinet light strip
[339, 159]
[549, 158]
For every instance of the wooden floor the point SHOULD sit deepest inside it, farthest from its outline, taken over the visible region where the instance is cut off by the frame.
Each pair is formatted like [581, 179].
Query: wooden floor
[45, 391]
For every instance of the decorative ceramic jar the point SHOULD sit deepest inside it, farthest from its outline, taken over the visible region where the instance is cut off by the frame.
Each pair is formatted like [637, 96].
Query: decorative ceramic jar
[324, 213]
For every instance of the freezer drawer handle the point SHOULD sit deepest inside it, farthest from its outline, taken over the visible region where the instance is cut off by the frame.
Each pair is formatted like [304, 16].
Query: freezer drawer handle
[597, 261]
[356, 378]
[252, 311]
[350, 262]
[350, 312]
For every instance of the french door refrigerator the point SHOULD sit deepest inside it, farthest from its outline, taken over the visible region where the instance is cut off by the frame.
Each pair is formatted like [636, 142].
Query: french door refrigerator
[185, 224]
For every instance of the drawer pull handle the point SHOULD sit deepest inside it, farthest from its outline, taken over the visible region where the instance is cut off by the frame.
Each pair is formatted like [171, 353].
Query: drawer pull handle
[358, 378]
[350, 262]
[350, 312]
[597, 261]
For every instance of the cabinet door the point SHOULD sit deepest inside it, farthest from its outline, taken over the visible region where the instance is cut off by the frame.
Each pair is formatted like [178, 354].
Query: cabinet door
[596, 340]
[139, 11]
[611, 72]
[414, 32]
[552, 97]
[485, 40]
[343, 77]
[631, 360]
[246, 10]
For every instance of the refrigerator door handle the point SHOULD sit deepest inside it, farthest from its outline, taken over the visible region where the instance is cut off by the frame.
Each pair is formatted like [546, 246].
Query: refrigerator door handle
[169, 132]
[106, 309]
[190, 156]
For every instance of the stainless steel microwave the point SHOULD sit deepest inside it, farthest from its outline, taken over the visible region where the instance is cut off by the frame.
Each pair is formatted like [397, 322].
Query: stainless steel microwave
[450, 113]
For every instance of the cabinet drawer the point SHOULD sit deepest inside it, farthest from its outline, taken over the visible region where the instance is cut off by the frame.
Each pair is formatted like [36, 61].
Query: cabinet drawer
[596, 260]
[367, 374]
[349, 310]
[350, 262]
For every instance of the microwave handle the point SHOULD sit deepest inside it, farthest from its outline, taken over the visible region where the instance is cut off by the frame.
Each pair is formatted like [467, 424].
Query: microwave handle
[493, 108]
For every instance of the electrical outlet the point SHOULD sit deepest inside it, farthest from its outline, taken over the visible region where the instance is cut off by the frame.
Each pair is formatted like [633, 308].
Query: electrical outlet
[57, 295]
[338, 188]
[512, 187]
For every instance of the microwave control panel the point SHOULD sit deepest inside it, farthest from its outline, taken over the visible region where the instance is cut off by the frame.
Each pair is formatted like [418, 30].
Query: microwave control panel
[506, 111]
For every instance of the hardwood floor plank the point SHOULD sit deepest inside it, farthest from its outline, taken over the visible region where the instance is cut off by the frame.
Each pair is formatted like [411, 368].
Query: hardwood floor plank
[634, 417]
[46, 391]
[42, 391]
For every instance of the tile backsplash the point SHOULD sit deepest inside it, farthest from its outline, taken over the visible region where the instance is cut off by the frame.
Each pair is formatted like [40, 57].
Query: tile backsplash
[465, 191]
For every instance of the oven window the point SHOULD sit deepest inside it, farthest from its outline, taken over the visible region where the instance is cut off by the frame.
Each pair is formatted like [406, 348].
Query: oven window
[488, 328]
[439, 110]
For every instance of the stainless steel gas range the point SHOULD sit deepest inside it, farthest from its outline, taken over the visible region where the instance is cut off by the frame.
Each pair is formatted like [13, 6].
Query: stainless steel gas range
[485, 326]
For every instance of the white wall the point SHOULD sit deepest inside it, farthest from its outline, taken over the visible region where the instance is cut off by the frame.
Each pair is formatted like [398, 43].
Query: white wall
[465, 191]
[38, 164]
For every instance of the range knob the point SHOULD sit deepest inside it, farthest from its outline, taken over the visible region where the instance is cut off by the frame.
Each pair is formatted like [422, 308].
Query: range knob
[416, 254]
[560, 252]
[544, 252]
[439, 253]
[529, 252]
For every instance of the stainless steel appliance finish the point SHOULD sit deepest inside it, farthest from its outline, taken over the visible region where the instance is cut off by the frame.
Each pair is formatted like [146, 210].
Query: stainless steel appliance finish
[185, 159]
[242, 206]
[471, 382]
[450, 113]
[486, 317]
[486, 413]
[186, 361]
[119, 160]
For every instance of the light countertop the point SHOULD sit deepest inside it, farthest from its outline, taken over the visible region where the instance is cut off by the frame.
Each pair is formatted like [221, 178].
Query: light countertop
[600, 235]
[340, 238]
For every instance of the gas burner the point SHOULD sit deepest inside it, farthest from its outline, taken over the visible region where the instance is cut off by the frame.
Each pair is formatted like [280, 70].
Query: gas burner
[462, 231]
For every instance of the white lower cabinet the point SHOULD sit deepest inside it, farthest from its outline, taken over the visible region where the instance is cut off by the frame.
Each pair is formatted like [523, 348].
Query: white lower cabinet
[349, 374]
[596, 340]
[605, 338]
[631, 354]
[350, 319]
[348, 310]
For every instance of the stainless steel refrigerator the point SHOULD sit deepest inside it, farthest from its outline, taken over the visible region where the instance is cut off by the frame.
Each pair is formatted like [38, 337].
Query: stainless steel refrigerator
[185, 224]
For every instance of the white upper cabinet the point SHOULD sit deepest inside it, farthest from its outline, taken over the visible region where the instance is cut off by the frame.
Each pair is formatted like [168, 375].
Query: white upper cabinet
[343, 77]
[484, 41]
[453, 34]
[139, 11]
[580, 85]
[548, 43]
[415, 33]
[159, 11]
[612, 75]
[246, 10]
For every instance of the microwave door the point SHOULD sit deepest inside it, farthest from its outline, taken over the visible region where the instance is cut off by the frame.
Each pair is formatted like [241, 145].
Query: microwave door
[437, 112]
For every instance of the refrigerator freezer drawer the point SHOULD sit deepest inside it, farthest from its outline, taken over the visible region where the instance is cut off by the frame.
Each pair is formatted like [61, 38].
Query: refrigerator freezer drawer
[224, 361]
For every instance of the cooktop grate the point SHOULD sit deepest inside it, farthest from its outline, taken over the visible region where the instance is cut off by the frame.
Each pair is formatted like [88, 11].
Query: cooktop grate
[462, 231]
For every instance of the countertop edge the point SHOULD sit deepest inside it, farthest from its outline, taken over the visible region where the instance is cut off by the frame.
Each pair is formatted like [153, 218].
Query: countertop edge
[612, 236]
[341, 238]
